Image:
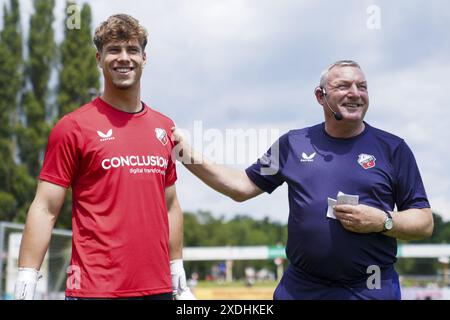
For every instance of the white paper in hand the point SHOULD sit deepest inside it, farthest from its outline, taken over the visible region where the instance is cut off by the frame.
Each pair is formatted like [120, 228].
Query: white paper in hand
[330, 211]
[343, 198]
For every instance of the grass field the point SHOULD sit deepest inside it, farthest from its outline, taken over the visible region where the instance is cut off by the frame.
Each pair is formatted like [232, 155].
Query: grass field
[236, 290]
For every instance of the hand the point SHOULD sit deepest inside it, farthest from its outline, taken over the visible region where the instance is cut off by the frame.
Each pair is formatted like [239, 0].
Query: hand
[179, 286]
[177, 135]
[26, 284]
[360, 218]
[182, 150]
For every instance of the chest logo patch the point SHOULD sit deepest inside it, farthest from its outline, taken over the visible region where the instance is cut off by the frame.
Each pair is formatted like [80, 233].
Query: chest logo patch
[306, 158]
[106, 136]
[366, 161]
[161, 134]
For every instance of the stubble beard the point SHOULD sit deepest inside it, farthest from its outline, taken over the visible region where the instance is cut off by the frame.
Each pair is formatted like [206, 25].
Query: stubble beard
[120, 85]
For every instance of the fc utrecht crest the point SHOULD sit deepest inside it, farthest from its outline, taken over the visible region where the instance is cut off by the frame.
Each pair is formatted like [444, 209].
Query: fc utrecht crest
[161, 134]
[366, 161]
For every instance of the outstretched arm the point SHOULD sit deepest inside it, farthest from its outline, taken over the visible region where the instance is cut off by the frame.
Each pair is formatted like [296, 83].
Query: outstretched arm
[228, 181]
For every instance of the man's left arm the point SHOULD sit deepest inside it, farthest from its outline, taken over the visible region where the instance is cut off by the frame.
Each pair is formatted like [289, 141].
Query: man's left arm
[175, 223]
[179, 284]
[410, 224]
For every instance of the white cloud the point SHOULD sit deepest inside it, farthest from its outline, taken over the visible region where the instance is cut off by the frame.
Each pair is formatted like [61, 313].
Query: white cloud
[411, 102]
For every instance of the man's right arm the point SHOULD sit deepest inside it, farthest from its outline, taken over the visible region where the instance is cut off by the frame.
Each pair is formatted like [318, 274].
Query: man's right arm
[228, 181]
[41, 218]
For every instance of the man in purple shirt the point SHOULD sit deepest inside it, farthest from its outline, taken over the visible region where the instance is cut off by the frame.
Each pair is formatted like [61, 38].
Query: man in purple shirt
[335, 258]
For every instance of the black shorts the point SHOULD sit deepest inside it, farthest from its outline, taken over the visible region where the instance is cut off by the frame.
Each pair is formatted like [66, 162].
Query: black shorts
[162, 296]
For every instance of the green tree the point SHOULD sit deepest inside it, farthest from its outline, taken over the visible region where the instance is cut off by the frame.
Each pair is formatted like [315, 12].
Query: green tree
[42, 49]
[11, 36]
[11, 66]
[78, 76]
[34, 129]
[203, 229]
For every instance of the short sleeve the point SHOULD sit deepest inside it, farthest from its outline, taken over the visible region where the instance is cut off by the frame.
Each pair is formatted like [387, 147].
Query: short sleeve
[409, 189]
[63, 152]
[171, 172]
[266, 173]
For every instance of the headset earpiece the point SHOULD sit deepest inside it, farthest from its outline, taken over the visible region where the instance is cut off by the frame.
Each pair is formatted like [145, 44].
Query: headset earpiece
[337, 115]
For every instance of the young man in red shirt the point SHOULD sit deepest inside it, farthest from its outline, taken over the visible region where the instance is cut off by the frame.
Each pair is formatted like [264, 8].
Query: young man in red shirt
[115, 154]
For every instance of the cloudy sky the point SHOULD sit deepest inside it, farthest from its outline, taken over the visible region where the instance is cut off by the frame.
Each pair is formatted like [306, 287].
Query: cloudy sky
[218, 65]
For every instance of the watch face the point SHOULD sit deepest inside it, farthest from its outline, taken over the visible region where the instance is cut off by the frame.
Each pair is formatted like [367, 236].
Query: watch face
[388, 224]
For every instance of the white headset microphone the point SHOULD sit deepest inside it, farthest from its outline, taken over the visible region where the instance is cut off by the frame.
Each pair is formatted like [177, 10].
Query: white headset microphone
[337, 115]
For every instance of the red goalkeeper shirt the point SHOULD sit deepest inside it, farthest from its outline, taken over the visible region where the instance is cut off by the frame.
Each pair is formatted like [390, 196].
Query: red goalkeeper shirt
[118, 165]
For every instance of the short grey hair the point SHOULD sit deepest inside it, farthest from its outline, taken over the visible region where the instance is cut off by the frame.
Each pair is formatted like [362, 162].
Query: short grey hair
[340, 63]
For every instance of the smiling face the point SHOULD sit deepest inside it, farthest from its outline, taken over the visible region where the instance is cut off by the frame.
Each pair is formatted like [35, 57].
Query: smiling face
[347, 92]
[122, 62]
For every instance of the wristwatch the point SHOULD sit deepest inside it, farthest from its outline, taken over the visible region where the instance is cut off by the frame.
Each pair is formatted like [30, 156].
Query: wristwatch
[388, 222]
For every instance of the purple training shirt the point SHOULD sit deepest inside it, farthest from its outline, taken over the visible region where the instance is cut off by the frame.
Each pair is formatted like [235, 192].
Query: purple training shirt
[375, 165]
